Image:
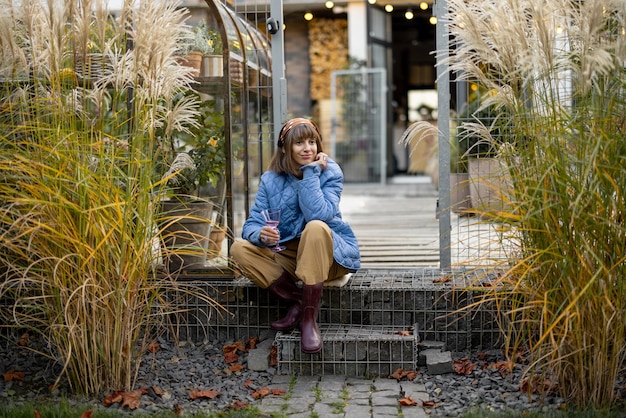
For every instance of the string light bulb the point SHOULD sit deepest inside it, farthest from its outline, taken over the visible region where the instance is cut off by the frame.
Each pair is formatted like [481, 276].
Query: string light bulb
[308, 16]
[389, 8]
[433, 20]
[371, 1]
[408, 14]
[423, 5]
[329, 4]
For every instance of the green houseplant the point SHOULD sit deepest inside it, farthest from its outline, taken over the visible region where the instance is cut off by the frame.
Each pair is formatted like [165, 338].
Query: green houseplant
[196, 188]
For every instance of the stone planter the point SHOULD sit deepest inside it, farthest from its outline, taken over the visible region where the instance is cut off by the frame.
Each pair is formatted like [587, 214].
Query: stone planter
[489, 182]
[213, 66]
[460, 195]
[185, 231]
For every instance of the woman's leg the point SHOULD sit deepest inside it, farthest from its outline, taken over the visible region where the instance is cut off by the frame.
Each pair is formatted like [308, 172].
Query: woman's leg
[315, 264]
[263, 268]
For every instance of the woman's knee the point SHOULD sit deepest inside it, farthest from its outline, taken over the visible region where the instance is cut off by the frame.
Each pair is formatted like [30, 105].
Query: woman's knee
[316, 227]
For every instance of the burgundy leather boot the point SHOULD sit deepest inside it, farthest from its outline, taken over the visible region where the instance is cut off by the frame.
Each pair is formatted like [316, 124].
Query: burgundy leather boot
[285, 288]
[310, 338]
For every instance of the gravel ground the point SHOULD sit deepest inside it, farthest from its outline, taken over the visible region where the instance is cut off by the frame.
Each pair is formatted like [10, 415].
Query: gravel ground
[171, 376]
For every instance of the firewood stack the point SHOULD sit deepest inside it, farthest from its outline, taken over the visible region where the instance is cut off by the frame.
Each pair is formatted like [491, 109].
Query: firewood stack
[328, 51]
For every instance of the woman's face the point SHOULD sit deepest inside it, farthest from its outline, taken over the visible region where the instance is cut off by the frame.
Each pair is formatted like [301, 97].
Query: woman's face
[304, 151]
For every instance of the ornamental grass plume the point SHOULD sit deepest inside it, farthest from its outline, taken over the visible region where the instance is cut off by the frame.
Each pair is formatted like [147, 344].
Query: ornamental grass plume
[85, 121]
[556, 69]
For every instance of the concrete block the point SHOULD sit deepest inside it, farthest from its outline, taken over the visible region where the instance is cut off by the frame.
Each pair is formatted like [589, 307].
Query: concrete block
[258, 359]
[438, 362]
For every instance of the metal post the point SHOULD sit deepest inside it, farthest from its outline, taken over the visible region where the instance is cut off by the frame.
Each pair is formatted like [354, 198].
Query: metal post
[279, 82]
[443, 99]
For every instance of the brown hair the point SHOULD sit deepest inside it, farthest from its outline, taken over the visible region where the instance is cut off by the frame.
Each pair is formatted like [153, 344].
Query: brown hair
[294, 130]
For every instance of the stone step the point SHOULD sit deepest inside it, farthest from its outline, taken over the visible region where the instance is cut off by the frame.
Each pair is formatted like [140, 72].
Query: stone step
[350, 350]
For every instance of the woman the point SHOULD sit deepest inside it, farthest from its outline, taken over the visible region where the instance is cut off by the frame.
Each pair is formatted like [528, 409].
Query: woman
[306, 185]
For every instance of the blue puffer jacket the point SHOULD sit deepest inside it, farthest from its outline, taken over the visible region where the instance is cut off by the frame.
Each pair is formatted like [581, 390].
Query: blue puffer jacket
[315, 197]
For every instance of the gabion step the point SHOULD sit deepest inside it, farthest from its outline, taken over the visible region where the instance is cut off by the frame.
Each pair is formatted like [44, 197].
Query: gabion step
[351, 350]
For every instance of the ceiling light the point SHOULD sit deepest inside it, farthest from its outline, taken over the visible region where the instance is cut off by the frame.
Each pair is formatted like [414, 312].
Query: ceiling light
[329, 4]
[408, 14]
[423, 5]
[388, 8]
[308, 16]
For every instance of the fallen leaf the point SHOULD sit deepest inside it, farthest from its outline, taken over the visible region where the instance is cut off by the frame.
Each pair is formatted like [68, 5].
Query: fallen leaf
[157, 390]
[86, 414]
[178, 409]
[407, 401]
[403, 333]
[23, 341]
[132, 399]
[12, 375]
[251, 343]
[464, 366]
[537, 384]
[37, 414]
[154, 347]
[231, 357]
[209, 394]
[273, 356]
[278, 392]
[237, 405]
[444, 279]
[261, 393]
[400, 374]
[230, 351]
[115, 397]
[428, 404]
[236, 368]
[504, 367]
[247, 384]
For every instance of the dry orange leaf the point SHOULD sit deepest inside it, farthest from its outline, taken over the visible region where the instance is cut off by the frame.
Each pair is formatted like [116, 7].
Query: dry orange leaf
[407, 401]
[403, 333]
[208, 393]
[86, 414]
[464, 366]
[132, 399]
[23, 341]
[178, 409]
[37, 414]
[12, 375]
[252, 342]
[231, 357]
[112, 398]
[261, 393]
[428, 404]
[273, 356]
[247, 384]
[400, 374]
[236, 368]
[278, 392]
[504, 367]
[237, 405]
[154, 347]
[444, 279]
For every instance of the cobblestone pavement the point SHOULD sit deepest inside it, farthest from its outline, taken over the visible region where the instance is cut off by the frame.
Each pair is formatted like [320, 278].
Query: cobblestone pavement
[338, 396]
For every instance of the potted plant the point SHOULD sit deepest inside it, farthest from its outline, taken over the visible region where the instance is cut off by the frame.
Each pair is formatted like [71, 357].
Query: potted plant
[460, 197]
[482, 130]
[196, 188]
[213, 63]
[194, 48]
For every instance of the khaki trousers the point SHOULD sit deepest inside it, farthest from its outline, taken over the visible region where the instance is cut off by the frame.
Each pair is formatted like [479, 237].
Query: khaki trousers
[309, 258]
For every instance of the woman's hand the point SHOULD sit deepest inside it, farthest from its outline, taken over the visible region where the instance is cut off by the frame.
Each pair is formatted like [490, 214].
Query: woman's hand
[269, 235]
[321, 159]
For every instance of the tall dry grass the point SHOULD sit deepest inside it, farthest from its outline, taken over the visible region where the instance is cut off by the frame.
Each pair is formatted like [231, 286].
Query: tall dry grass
[87, 110]
[556, 69]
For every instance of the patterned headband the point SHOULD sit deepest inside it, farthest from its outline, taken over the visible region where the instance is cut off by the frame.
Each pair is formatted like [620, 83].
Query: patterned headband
[291, 124]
